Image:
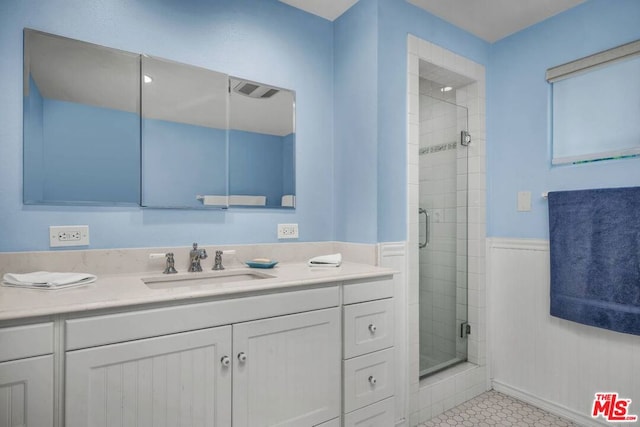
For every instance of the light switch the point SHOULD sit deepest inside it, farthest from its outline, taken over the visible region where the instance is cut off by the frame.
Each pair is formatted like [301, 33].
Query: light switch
[524, 201]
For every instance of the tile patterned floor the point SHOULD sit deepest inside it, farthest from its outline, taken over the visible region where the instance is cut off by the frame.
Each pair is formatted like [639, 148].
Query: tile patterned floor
[496, 409]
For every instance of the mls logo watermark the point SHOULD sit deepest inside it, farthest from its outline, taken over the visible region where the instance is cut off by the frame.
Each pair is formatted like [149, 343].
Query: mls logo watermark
[612, 408]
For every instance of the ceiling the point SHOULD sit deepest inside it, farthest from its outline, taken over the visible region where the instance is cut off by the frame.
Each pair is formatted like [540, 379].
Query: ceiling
[491, 20]
[328, 9]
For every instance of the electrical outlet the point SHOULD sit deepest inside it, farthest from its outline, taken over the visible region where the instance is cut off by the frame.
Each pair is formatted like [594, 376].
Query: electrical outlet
[287, 231]
[68, 235]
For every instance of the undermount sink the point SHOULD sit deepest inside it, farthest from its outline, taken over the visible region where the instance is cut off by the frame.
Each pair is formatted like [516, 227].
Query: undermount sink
[211, 278]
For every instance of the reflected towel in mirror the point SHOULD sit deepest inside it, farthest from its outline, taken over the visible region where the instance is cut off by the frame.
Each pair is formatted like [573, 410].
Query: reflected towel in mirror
[238, 200]
[288, 201]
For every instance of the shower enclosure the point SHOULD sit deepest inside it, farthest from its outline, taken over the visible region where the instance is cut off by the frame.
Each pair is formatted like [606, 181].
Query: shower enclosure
[443, 225]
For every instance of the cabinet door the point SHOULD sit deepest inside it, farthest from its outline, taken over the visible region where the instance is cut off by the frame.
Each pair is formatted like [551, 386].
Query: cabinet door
[26, 392]
[287, 370]
[168, 381]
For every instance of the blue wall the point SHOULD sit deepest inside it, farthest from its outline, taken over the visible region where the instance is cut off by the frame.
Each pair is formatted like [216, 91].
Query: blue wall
[260, 40]
[355, 132]
[351, 181]
[370, 42]
[518, 139]
[397, 19]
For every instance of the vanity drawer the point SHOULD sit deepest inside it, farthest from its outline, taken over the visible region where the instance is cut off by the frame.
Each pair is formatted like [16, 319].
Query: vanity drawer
[368, 379]
[127, 326]
[379, 414]
[368, 327]
[26, 341]
[367, 290]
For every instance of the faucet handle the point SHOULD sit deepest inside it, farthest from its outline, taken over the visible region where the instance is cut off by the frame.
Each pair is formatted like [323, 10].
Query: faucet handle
[217, 264]
[170, 267]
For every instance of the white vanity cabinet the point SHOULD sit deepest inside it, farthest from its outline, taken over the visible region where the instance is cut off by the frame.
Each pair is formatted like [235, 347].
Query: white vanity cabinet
[26, 376]
[173, 380]
[287, 370]
[368, 365]
[276, 370]
[314, 354]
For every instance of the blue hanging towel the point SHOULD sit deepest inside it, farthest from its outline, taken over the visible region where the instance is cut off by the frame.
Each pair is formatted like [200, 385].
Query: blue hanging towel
[594, 238]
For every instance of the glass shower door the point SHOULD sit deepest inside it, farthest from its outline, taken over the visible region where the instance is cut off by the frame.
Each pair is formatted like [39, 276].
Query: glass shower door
[443, 234]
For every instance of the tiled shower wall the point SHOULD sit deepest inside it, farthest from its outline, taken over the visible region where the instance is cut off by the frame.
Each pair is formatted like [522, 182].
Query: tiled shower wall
[444, 390]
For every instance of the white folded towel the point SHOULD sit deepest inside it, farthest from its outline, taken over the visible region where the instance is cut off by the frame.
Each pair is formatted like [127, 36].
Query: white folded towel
[47, 280]
[209, 200]
[240, 200]
[333, 260]
[288, 200]
[235, 200]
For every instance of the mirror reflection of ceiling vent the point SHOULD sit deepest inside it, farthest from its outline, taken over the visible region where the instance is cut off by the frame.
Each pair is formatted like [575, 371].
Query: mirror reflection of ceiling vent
[255, 90]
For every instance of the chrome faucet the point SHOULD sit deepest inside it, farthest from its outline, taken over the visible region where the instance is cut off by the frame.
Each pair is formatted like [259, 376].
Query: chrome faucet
[217, 263]
[195, 255]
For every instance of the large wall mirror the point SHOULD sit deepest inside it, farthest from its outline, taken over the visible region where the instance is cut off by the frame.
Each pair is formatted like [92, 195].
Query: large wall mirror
[81, 122]
[107, 127]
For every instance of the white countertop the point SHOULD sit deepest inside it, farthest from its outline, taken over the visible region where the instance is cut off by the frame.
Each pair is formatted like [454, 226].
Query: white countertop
[121, 290]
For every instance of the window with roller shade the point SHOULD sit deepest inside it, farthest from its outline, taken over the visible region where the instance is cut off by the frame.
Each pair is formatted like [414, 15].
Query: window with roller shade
[596, 106]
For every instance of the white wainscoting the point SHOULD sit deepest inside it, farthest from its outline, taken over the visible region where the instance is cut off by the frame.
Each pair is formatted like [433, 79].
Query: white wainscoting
[550, 362]
[394, 255]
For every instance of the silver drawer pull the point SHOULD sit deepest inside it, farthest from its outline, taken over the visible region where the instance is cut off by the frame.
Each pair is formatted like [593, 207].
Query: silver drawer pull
[242, 357]
[372, 380]
[373, 328]
[226, 361]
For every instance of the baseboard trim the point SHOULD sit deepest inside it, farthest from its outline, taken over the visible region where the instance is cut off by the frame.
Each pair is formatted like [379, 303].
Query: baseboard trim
[548, 406]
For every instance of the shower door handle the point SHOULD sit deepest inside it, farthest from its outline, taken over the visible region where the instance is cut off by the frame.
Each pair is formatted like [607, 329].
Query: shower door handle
[427, 219]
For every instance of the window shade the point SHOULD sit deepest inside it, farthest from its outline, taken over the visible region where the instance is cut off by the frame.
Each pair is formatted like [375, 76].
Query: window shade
[596, 106]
